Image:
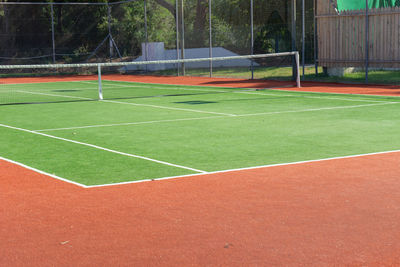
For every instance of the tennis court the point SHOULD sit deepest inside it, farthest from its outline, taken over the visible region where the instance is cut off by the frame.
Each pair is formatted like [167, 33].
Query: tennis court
[262, 176]
[199, 133]
[153, 131]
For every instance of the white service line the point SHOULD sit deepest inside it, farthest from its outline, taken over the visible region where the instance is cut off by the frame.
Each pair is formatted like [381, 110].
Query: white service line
[312, 97]
[126, 123]
[318, 109]
[215, 117]
[103, 148]
[66, 96]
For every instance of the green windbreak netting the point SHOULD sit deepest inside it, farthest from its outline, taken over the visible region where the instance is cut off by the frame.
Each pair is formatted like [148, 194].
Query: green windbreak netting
[360, 4]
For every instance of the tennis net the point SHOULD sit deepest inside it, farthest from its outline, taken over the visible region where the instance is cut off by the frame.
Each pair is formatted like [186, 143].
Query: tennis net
[52, 83]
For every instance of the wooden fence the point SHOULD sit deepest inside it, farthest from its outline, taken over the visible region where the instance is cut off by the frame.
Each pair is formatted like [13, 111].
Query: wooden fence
[342, 39]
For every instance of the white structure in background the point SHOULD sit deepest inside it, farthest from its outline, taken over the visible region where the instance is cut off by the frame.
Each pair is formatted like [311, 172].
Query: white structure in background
[156, 51]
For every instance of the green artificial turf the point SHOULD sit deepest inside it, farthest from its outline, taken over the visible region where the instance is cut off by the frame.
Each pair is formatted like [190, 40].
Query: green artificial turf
[202, 128]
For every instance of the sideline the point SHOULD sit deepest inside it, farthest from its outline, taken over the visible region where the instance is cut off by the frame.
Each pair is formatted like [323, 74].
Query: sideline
[199, 174]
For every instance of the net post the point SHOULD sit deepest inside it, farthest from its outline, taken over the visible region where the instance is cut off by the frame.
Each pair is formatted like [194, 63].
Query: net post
[297, 60]
[100, 86]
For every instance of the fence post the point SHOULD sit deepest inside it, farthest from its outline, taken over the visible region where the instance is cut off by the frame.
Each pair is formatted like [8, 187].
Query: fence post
[52, 33]
[294, 37]
[252, 36]
[183, 39]
[366, 41]
[210, 26]
[315, 38]
[110, 41]
[145, 32]
[177, 33]
[303, 29]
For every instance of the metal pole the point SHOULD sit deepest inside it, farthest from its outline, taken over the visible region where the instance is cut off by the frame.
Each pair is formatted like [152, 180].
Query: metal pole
[303, 45]
[252, 36]
[183, 39]
[145, 31]
[52, 33]
[177, 33]
[99, 77]
[366, 41]
[297, 62]
[294, 36]
[109, 32]
[210, 26]
[315, 38]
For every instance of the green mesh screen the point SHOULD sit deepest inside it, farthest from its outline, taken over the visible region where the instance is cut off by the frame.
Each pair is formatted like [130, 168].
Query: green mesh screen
[360, 4]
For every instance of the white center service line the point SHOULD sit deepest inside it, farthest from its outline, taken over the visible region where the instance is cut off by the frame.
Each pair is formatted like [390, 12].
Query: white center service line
[126, 123]
[103, 148]
[214, 117]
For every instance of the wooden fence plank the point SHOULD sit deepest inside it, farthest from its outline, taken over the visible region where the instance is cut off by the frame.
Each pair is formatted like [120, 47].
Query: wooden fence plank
[341, 38]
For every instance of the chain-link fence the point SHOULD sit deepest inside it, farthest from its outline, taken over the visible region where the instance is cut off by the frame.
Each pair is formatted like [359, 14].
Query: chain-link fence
[80, 32]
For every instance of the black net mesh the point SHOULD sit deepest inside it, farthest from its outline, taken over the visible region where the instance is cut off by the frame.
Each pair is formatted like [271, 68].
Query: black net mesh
[25, 34]
[80, 32]
[142, 30]
[127, 30]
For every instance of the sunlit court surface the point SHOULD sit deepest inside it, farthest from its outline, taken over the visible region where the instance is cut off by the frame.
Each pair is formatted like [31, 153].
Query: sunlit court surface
[198, 174]
[200, 133]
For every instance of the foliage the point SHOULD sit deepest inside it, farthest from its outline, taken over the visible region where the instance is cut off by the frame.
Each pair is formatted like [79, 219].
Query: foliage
[82, 30]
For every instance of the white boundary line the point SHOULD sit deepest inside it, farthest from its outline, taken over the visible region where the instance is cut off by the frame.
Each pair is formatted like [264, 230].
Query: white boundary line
[216, 117]
[46, 94]
[201, 172]
[104, 149]
[336, 93]
[42, 172]
[127, 123]
[198, 174]
[171, 108]
[247, 168]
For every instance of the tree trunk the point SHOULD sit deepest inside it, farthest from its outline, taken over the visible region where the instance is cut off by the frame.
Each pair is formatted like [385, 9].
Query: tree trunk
[200, 23]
